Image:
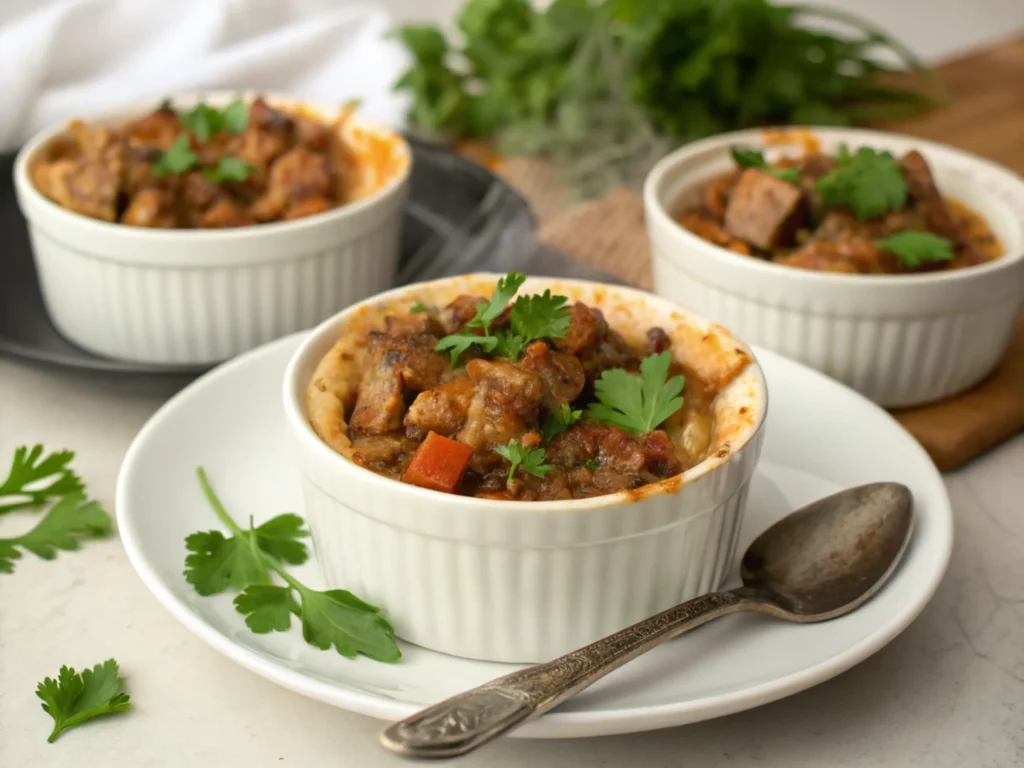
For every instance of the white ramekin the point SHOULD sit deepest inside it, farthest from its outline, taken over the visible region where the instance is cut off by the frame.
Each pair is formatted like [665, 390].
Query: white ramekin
[191, 297]
[900, 340]
[526, 581]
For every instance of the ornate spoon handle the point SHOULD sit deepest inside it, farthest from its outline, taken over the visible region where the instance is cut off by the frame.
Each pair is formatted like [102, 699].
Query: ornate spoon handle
[470, 719]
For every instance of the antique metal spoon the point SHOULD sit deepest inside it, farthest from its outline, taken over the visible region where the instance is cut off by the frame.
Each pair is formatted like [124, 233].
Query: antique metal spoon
[817, 563]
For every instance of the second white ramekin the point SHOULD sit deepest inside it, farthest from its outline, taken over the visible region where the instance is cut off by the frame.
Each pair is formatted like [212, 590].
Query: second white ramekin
[901, 340]
[193, 297]
[527, 581]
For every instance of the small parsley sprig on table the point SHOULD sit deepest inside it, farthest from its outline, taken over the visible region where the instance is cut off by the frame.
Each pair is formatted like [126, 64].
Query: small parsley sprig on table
[914, 248]
[638, 404]
[248, 561]
[34, 479]
[73, 699]
[538, 316]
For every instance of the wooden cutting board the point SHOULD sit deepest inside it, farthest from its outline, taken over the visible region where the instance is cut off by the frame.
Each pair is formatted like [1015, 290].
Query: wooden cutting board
[985, 116]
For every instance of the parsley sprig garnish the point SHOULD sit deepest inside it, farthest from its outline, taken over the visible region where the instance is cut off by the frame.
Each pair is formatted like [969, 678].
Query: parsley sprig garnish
[178, 158]
[539, 316]
[73, 699]
[206, 121]
[868, 182]
[34, 479]
[638, 404]
[914, 248]
[518, 455]
[754, 158]
[559, 420]
[70, 521]
[249, 559]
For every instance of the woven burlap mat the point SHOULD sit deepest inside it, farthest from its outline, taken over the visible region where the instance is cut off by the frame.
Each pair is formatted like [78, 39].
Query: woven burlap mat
[610, 234]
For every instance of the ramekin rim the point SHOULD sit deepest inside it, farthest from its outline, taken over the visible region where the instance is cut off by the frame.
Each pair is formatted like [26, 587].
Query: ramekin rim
[299, 424]
[655, 208]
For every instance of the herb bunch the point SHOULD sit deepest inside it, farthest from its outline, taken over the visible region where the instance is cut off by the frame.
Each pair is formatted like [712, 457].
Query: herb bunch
[607, 87]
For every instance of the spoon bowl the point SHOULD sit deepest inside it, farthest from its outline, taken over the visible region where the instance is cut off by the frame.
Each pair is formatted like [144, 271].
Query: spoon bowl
[818, 563]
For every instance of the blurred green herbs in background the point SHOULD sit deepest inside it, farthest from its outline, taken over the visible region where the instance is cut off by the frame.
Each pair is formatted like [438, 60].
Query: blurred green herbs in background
[607, 87]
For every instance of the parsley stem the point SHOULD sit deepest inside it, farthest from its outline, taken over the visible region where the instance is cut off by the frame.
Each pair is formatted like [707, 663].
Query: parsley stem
[215, 502]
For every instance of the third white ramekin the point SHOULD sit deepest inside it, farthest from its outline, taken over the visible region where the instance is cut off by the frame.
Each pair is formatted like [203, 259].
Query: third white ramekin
[191, 297]
[901, 340]
[527, 581]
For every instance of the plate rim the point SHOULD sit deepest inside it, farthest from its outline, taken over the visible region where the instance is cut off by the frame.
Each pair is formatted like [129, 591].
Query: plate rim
[573, 724]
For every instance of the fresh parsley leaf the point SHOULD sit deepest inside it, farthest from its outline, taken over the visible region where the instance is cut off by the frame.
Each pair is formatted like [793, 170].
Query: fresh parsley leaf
[73, 698]
[914, 248]
[178, 158]
[510, 345]
[457, 343]
[68, 522]
[235, 116]
[247, 560]
[504, 290]
[202, 120]
[229, 169]
[530, 459]
[217, 562]
[754, 158]
[638, 404]
[559, 420]
[868, 182]
[34, 479]
[540, 316]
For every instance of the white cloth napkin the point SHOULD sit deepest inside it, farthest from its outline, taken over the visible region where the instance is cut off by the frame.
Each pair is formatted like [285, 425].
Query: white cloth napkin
[61, 59]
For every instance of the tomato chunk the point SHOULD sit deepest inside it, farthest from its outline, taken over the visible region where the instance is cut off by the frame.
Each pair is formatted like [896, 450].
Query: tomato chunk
[438, 463]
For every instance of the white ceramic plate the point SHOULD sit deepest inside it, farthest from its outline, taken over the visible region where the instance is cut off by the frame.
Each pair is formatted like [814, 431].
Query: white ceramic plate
[821, 437]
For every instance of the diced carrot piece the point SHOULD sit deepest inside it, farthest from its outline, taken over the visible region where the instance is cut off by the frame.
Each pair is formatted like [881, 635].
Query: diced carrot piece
[438, 463]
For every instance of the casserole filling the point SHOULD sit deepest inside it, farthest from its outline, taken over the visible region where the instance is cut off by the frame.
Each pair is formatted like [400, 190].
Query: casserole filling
[529, 398]
[862, 212]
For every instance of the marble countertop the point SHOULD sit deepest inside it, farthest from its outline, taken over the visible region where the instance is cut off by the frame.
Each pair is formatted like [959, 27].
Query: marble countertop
[949, 692]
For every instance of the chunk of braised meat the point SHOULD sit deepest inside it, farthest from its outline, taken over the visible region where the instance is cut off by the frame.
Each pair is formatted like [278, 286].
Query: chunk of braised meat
[812, 168]
[307, 208]
[225, 213]
[554, 486]
[297, 176]
[395, 364]
[764, 211]
[586, 330]
[504, 408]
[89, 181]
[383, 452]
[613, 351]
[852, 255]
[926, 198]
[562, 374]
[268, 135]
[657, 341]
[312, 134]
[151, 207]
[705, 225]
[442, 409]
[198, 194]
[159, 128]
[138, 167]
[411, 323]
[460, 311]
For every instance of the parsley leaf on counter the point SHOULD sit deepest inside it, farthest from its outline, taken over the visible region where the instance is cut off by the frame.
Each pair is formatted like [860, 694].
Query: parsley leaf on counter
[867, 182]
[34, 479]
[217, 562]
[178, 158]
[229, 169]
[247, 561]
[68, 522]
[530, 459]
[559, 420]
[73, 698]
[638, 404]
[914, 248]
[754, 158]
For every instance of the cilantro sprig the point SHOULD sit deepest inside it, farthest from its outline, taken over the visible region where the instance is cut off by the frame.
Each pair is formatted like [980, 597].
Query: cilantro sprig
[178, 158]
[70, 521]
[518, 455]
[229, 169]
[638, 404]
[559, 420]
[73, 699]
[868, 182]
[754, 158]
[248, 561]
[34, 479]
[206, 121]
[914, 248]
[538, 316]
